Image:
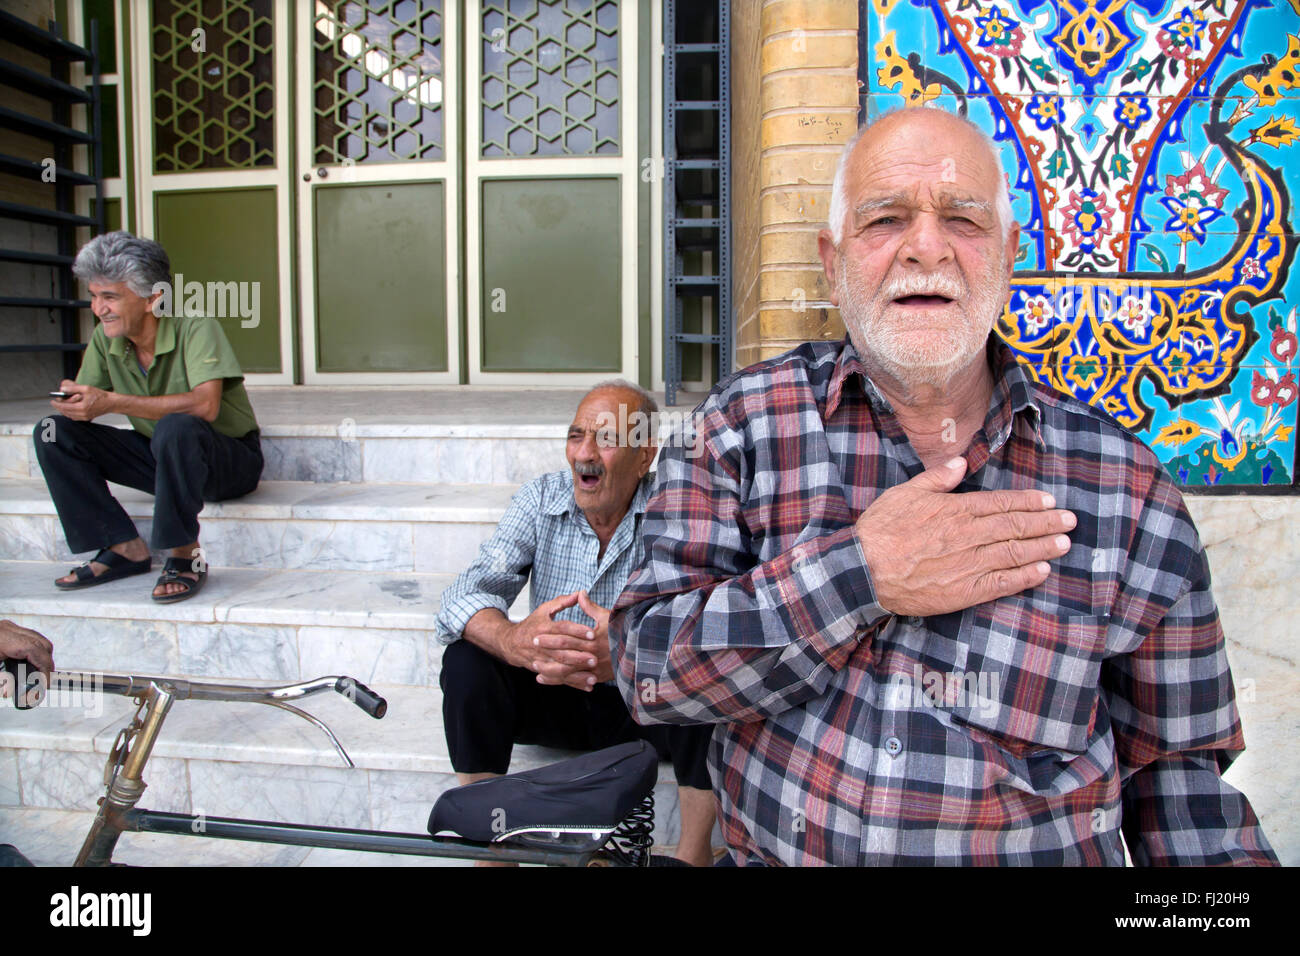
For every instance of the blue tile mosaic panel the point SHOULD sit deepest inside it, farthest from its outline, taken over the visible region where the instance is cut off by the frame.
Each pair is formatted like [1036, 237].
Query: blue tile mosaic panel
[1152, 148]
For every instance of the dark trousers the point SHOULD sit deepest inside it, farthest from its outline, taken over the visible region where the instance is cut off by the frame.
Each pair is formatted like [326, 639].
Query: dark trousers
[489, 706]
[185, 463]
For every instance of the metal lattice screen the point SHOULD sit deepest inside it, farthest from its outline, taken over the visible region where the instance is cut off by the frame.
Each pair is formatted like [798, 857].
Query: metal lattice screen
[378, 81]
[213, 95]
[550, 78]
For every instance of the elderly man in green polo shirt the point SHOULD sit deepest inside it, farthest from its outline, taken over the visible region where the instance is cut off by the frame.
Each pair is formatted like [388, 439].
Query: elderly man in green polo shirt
[193, 436]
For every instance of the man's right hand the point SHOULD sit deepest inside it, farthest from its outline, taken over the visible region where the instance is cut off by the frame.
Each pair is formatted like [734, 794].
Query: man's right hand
[20, 642]
[933, 552]
[84, 403]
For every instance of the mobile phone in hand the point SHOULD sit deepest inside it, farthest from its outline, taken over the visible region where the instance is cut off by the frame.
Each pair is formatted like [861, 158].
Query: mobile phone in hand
[60, 394]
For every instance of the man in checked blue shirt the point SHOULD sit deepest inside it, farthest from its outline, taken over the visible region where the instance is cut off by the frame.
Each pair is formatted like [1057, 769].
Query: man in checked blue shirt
[548, 679]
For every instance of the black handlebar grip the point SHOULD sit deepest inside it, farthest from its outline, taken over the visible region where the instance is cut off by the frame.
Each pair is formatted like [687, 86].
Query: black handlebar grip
[21, 680]
[362, 696]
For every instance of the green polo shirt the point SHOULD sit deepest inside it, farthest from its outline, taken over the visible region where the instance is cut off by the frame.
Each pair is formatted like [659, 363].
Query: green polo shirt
[188, 352]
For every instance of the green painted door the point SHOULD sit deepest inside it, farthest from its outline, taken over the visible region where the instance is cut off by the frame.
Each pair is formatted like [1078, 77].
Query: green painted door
[408, 216]
[377, 198]
[213, 164]
[550, 191]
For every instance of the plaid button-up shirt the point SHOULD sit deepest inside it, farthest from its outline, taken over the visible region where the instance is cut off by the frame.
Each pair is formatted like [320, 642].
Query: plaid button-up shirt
[544, 533]
[1030, 730]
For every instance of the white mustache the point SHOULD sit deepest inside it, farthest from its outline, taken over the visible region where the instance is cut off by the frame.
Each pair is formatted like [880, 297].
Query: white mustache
[591, 470]
[950, 287]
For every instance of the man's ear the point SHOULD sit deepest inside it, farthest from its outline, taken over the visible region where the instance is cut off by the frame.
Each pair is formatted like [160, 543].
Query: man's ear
[1013, 247]
[648, 452]
[830, 255]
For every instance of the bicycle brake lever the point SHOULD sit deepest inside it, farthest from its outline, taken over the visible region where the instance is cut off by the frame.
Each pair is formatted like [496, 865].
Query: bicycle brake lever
[319, 723]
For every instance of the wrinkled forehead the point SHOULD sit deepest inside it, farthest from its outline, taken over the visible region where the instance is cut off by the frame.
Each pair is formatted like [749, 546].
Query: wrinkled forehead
[926, 152]
[606, 408]
[102, 286]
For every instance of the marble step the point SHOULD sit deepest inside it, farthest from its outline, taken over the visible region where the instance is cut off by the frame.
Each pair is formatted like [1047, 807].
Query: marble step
[453, 434]
[293, 525]
[254, 761]
[244, 624]
[501, 454]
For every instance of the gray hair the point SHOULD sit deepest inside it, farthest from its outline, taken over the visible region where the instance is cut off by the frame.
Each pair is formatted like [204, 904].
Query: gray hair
[839, 210]
[122, 257]
[648, 407]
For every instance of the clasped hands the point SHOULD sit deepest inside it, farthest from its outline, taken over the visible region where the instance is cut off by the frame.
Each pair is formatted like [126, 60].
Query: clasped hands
[562, 652]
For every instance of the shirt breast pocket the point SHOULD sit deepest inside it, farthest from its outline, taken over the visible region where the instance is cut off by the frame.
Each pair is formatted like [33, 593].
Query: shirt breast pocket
[1038, 672]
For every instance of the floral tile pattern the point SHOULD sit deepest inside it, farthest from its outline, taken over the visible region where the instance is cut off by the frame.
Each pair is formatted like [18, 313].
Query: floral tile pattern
[1150, 145]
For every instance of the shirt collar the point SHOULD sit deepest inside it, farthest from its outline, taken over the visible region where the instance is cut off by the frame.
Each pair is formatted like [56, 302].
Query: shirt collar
[164, 341]
[568, 504]
[849, 364]
[1012, 399]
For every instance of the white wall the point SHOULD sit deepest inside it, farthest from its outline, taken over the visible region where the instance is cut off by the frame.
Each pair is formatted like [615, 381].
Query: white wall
[1253, 545]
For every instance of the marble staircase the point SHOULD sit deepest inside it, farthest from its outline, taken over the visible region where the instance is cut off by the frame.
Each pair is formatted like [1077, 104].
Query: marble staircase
[293, 525]
[334, 565]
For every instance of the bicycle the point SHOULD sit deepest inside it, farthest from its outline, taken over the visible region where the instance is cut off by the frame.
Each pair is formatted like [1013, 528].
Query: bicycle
[596, 809]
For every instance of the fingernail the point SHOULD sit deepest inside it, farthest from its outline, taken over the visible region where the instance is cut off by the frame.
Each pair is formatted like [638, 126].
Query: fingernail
[591, 681]
[955, 463]
[536, 641]
[591, 662]
[1069, 520]
[1049, 501]
[1063, 542]
[1043, 567]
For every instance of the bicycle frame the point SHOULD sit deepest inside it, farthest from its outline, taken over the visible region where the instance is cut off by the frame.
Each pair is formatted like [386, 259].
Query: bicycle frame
[125, 785]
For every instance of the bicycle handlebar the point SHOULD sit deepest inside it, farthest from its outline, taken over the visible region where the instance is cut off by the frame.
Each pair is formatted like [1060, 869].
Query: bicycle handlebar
[133, 685]
[362, 696]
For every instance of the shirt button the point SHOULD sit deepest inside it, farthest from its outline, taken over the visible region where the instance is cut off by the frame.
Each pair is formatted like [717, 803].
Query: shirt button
[916, 621]
[893, 746]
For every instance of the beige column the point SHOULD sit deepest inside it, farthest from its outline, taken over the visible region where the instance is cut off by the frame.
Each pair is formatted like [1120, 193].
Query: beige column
[794, 103]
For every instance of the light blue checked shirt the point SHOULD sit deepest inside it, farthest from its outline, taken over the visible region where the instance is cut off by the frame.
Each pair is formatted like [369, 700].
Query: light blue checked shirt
[545, 533]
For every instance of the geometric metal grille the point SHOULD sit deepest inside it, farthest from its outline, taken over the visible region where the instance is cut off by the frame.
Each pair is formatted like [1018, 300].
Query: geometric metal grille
[213, 84]
[378, 81]
[550, 78]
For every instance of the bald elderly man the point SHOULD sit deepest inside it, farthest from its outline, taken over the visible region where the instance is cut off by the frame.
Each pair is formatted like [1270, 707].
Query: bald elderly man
[940, 613]
[547, 679]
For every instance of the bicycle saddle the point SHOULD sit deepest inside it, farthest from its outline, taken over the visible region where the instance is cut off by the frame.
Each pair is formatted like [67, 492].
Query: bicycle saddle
[574, 804]
[9, 856]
